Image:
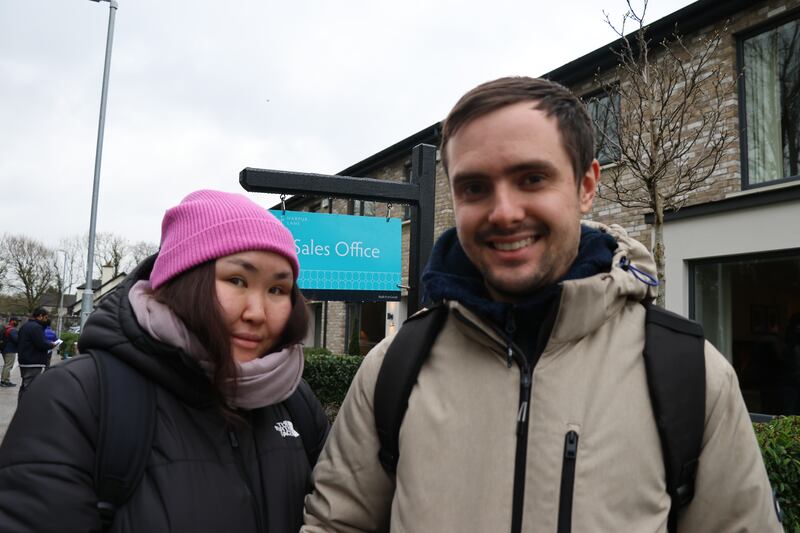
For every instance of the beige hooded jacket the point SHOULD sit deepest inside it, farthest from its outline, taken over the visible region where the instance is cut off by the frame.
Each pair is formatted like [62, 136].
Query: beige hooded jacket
[458, 438]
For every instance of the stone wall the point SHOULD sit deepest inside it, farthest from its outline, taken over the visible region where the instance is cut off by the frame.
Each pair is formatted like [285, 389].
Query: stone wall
[727, 177]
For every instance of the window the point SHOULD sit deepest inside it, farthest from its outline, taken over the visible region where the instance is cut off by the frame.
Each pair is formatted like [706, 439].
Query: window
[771, 86]
[749, 307]
[363, 208]
[606, 133]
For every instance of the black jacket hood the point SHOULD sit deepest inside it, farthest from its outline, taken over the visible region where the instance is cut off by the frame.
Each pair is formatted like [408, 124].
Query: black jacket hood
[450, 275]
[113, 328]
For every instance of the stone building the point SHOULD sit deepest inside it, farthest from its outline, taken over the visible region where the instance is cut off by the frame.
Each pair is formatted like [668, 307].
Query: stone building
[732, 251]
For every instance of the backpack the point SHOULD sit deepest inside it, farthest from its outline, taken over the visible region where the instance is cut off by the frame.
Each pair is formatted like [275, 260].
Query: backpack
[675, 367]
[127, 425]
[5, 337]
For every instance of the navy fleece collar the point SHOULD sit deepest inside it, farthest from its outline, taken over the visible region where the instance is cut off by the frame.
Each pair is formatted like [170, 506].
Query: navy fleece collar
[451, 275]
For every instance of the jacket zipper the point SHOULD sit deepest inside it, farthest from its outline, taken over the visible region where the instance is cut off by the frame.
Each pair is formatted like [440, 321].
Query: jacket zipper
[521, 455]
[237, 453]
[567, 482]
[525, 385]
[521, 458]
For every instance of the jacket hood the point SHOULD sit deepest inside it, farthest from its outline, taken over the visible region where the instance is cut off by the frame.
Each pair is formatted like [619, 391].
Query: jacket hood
[113, 328]
[587, 303]
[595, 287]
[450, 275]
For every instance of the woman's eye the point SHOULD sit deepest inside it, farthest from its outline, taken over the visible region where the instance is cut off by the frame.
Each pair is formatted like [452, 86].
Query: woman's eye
[277, 290]
[238, 282]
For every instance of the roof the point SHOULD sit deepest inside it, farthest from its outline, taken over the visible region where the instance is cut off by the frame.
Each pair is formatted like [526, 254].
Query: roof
[687, 20]
[95, 285]
[51, 299]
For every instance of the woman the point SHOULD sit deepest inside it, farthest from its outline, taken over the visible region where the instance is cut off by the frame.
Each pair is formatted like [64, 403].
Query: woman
[214, 321]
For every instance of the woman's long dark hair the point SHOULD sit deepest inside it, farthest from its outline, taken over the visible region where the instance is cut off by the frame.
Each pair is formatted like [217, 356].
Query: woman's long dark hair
[192, 296]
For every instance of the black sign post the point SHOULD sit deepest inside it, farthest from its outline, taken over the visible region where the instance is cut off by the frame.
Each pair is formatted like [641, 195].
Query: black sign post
[419, 193]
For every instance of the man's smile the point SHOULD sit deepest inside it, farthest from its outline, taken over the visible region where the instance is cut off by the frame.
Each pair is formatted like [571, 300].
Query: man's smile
[512, 245]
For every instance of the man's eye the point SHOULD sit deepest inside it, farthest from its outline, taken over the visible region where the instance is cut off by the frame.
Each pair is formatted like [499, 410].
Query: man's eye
[532, 179]
[473, 189]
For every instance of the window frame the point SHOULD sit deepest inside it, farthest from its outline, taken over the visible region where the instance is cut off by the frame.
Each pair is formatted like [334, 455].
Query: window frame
[692, 264]
[741, 37]
[598, 93]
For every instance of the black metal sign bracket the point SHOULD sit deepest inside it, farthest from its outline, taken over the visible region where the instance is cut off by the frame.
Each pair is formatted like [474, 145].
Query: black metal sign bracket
[419, 193]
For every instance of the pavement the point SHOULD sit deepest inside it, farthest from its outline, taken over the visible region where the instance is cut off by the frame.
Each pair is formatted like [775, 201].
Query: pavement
[8, 402]
[8, 397]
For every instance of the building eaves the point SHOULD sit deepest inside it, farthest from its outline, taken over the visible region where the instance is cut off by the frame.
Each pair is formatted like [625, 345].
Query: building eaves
[95, 285]
[377, 161]
[429, 135]
[756, 198]
[691, 18]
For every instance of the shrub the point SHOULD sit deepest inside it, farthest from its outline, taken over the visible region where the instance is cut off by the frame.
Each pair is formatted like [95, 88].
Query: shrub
[780, 445]
[314, 350]
[69, 338]
[329, 375]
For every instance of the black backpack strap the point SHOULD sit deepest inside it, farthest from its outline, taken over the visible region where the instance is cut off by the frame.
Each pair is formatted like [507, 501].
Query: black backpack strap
[397, 376]
[676, 375]
[299, 407]
[124, 441]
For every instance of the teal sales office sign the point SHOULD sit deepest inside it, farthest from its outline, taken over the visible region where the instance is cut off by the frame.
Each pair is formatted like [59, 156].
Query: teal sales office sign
[346, 257]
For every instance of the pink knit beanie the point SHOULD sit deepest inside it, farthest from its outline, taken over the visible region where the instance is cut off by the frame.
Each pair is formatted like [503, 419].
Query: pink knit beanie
[208, 224]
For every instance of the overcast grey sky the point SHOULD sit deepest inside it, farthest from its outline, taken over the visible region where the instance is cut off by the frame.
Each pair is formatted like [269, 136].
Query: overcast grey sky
[201, 89]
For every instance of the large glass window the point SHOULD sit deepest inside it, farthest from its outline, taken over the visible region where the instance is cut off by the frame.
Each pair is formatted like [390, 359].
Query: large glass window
[771, 63]
[604, 110]
[750, 310]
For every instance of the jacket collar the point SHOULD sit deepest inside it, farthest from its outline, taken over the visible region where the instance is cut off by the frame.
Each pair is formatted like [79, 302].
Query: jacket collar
[588, 302]
[450, 275]
[113, 328]
[595, 287]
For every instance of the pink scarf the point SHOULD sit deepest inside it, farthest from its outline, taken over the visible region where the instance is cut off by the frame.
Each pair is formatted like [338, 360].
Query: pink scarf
[267, 380]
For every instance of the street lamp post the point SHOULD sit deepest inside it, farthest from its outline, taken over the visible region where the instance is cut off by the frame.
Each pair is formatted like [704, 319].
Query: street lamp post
[87, 300]
[61, 295]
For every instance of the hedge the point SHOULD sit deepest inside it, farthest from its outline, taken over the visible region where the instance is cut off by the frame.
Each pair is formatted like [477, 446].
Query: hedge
[329, 375]
[69, 339]
[780, 445]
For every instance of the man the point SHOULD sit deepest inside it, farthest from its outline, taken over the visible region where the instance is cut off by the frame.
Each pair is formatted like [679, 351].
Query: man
[10, 337]
[34, 349]
[532, 412]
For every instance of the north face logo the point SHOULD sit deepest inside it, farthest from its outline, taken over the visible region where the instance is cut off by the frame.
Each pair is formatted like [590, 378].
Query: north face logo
[286, 429]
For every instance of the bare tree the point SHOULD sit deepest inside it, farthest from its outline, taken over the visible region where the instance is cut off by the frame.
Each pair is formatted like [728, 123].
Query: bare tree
[139, 252]
[671, 126]
[3, 264]
[31, 265]
[110, 250]
[74, 249]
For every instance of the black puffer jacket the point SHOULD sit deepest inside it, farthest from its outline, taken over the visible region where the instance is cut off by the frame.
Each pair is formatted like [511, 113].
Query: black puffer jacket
[202, 474]
[33, 348]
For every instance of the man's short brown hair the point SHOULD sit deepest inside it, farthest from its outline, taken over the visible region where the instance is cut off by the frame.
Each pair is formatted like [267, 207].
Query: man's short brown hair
[572, 119]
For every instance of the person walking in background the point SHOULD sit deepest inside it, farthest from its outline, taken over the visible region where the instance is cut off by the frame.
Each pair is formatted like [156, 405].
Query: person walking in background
[214, 321]
[52, 338]
[10, 348]
[34, 349]
[532, 411]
